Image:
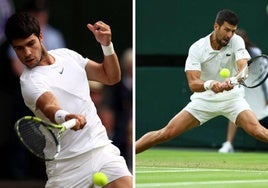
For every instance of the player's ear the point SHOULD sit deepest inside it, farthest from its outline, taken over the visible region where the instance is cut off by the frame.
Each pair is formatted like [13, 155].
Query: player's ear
[216, 26]
[41, 37]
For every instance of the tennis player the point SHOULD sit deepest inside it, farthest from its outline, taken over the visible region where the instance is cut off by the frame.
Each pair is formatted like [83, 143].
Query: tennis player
[212, 95]
[55, 88]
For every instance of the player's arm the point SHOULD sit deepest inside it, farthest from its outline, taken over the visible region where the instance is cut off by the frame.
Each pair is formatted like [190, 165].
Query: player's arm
[107, 72]
[49, 106]
[198, 85]
[194, 81]
[241, 63]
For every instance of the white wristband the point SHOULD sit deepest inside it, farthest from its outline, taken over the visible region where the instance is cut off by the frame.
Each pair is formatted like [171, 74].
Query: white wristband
[60, 116]
[207, 84]
[108, 50]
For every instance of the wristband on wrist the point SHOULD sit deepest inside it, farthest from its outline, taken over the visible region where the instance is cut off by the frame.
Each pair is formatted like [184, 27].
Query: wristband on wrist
[60, 116]
[108, 50]
[207, 84]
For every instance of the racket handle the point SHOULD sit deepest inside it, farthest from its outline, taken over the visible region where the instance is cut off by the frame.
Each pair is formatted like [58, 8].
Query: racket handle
[69, 124]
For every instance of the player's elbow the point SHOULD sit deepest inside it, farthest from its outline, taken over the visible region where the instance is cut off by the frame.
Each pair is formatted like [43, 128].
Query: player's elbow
[114, 80]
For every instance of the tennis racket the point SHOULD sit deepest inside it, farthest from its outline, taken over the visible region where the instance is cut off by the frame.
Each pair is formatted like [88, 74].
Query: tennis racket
[254, 74]
[41, 138]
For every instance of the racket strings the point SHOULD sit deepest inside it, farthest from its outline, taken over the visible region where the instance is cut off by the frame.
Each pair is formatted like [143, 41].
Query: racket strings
[40, 140]
[257, 71]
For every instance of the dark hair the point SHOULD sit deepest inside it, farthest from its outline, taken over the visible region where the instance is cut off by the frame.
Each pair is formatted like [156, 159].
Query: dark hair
[226, 15]
[21, 25]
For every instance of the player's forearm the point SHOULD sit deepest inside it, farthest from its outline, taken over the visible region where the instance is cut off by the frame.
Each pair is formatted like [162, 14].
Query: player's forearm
[197, 86]
[111, 68]
[48, 105]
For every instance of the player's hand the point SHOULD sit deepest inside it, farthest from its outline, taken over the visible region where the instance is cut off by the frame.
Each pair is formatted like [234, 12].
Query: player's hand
[218, 87]
[227, 85]
[80, 121]
[102, 32]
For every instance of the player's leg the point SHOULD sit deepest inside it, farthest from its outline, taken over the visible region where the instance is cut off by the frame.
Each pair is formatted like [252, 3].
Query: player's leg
[248, 121]
[125, 181]
[182, 122]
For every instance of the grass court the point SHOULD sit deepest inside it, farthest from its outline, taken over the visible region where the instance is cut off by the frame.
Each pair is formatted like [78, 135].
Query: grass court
[184, 168]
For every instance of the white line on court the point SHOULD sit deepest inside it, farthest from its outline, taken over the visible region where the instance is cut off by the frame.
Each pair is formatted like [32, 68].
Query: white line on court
[164, 170]
[144, 185]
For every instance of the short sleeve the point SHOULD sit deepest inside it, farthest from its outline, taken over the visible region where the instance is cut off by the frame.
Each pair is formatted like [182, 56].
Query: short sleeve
[192, 61]
[239, 48]
[82, 61]
[32, 87]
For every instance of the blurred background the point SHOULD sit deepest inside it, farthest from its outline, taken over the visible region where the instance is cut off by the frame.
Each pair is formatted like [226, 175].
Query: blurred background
[164, 32]
[64, 25]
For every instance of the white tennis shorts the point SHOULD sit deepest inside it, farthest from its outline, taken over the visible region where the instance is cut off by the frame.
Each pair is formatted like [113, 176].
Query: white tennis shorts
[77, 172]
[204, 110]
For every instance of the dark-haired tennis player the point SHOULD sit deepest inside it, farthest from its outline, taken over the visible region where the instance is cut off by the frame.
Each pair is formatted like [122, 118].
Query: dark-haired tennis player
[55, 87]
[212, 95]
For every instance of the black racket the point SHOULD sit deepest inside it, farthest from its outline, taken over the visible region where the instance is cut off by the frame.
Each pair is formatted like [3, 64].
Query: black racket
[40, 137]
[254, 74]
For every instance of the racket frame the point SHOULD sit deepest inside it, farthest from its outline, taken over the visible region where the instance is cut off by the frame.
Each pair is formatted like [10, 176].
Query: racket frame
[49, 126]
[239, 80]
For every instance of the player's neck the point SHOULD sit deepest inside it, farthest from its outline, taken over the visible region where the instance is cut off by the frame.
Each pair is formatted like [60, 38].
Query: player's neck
[46, 58]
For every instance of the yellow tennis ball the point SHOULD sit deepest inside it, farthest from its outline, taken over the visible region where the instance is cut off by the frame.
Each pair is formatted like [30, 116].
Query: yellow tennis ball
[225, 73]
[100, 179]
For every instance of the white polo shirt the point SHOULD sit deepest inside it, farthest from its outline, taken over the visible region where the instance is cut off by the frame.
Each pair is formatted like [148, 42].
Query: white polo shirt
[67, 80]
[202, 57]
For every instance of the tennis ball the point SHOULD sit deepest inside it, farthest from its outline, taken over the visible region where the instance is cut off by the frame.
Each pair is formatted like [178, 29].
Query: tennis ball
[100, 179]
[225, 73]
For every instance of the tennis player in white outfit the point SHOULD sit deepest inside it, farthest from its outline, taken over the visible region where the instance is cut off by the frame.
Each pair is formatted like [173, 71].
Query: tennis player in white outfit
[55, 87]
[212, 95]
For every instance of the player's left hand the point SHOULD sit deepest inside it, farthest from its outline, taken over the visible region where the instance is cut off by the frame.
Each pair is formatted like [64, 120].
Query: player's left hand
[102, 32]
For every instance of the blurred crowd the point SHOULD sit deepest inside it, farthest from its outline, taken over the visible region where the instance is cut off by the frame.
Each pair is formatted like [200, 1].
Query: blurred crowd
[114, 103]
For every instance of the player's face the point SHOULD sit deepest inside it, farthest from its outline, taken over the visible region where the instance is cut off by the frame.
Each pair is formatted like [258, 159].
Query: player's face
[224, 33]
[29, 50]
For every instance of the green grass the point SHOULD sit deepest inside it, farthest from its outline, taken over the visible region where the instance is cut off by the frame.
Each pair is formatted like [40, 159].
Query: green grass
[170, 168]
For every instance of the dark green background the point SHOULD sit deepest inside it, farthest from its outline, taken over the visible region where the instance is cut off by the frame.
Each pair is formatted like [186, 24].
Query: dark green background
[171, 26]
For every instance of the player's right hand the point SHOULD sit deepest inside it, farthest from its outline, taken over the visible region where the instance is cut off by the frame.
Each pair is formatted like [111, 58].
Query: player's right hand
[80, 121]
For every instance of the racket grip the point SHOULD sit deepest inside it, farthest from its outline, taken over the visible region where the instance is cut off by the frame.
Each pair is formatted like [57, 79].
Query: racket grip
[69, 124]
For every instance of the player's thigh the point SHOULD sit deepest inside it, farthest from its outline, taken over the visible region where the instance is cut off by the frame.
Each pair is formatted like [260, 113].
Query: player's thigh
[125, 181]
[247, 120]
[180, 123]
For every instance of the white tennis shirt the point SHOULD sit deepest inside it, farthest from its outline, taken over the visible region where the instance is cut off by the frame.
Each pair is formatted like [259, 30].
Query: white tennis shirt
[204, 58]
[67, 80]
